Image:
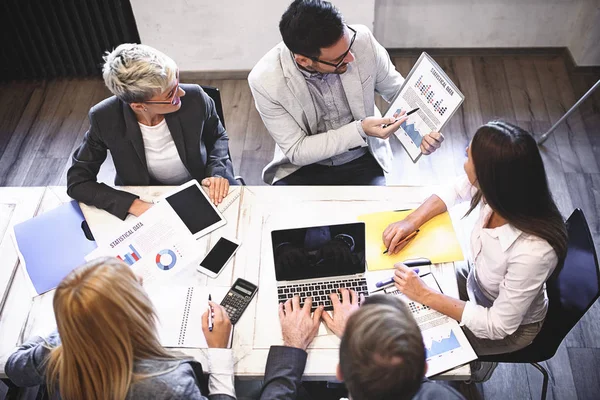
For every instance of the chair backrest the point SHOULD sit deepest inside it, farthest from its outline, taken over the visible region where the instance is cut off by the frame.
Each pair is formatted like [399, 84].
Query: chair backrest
[572, 289]
[215, 94]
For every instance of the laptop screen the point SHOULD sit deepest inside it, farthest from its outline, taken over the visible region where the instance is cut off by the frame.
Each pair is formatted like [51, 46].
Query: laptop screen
[319, 251]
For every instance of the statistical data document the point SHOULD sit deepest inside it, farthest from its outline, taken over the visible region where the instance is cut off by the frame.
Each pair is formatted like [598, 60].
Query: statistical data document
[446, 345]
[428, 88]
[157, 245]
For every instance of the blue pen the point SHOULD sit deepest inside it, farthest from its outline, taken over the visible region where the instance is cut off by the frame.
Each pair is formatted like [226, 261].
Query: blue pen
[391, 280]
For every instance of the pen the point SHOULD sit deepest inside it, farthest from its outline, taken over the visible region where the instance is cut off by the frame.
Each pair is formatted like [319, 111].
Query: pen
[391, 280]
[405, 115]
[210, 317]
[409, 237]
[412, 111]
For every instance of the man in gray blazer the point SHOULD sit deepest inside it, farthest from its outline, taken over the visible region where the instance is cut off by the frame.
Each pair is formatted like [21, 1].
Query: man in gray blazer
[315, 93]
[382, 354]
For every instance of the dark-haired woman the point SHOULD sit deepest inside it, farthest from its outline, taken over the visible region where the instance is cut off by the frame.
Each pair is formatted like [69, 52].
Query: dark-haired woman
[516, 243]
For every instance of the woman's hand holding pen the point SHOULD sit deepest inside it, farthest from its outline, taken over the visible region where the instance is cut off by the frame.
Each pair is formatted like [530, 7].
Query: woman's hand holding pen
[395, 233]
[408, 282]
[219, 336]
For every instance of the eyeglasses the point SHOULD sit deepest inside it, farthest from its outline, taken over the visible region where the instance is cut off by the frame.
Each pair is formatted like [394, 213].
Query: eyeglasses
[173, 98]
[342, 57]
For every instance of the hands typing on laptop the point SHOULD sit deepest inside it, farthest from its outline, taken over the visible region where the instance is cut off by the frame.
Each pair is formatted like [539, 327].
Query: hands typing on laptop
[323, 293]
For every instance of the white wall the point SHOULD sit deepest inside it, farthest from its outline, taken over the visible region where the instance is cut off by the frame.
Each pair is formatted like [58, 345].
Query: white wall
[491, 23]
[585, 41]
[232, 35]
[222, 35]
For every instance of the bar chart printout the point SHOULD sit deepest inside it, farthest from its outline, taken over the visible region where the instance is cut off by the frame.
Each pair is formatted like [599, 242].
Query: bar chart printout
[131, 257]
[430, 90]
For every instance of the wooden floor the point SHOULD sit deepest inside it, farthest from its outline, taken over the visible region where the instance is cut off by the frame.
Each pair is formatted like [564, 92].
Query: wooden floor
[42, 123]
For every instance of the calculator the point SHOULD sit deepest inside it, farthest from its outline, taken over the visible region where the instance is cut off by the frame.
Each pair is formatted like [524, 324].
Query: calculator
[237, 299]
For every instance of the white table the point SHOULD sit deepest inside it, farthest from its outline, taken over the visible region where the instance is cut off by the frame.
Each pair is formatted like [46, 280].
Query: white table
[250, 219]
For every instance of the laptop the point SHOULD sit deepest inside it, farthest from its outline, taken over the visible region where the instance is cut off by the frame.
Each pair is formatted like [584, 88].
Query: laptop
[319, 260]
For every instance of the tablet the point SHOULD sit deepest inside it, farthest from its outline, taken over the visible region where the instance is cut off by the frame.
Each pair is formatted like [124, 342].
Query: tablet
[195, 209]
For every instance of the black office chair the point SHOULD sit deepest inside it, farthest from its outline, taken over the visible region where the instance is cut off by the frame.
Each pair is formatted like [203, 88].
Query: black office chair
[572, 290]
[215, 94]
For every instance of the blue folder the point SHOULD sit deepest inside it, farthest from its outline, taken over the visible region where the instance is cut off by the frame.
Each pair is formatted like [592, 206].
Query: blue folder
[53, 244]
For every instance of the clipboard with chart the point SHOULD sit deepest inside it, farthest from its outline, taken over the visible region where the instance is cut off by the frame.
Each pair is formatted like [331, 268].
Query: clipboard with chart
[428, 88]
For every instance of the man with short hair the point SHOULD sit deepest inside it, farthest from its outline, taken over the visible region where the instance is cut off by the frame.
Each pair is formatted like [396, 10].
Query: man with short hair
[382, 355]
[315, 93]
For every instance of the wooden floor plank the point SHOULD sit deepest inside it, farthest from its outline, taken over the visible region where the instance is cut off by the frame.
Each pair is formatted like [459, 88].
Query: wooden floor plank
[575, 125]
[259, 147]
[525, 91]
[585, 364]
[23, 140]
[73, 109]
[492, 86]
[470, 110]
[561, 385]
[589, 109]
[13, 102]
[43, 171]
[571, 138]
[507, 379]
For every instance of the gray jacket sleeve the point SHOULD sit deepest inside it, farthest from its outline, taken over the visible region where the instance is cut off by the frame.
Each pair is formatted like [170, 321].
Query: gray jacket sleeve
[82, 184]
[283, 373]
[25, 366]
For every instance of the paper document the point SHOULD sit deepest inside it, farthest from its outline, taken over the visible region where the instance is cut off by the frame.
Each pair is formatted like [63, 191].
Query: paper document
[157, 245]
[179, 310]
[436, 240]
[446, 345]
[428, 88]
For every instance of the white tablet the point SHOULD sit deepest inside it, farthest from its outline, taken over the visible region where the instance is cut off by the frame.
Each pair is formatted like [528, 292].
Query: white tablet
[195, 209]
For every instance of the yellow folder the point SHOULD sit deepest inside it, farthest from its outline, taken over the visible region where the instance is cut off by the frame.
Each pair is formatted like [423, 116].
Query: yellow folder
[436, 240]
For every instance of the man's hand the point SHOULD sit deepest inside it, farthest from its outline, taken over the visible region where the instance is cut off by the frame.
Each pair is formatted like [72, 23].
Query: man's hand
[219, 337]
[297, 326]
[342, 311]
[395, 232]
[138, 207]
[217, 188]
[431, 142]
[373, 126]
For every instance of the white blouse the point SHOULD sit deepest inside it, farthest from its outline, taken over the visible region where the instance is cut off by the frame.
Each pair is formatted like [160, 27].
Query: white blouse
[511, 268]
[162, 158]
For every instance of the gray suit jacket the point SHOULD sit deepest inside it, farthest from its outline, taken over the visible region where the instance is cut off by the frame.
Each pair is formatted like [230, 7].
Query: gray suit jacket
[285, 366]
[286, 107]
[199, 136]
[174, 379]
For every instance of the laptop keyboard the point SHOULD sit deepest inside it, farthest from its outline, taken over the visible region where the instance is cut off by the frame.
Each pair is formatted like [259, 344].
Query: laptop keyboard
[319, 291]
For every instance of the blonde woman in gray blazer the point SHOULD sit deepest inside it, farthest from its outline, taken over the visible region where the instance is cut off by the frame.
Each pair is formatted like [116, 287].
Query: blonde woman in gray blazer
[315, 93]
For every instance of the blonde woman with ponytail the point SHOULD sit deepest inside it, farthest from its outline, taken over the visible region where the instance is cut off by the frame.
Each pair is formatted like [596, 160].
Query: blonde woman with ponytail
[106, 345]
